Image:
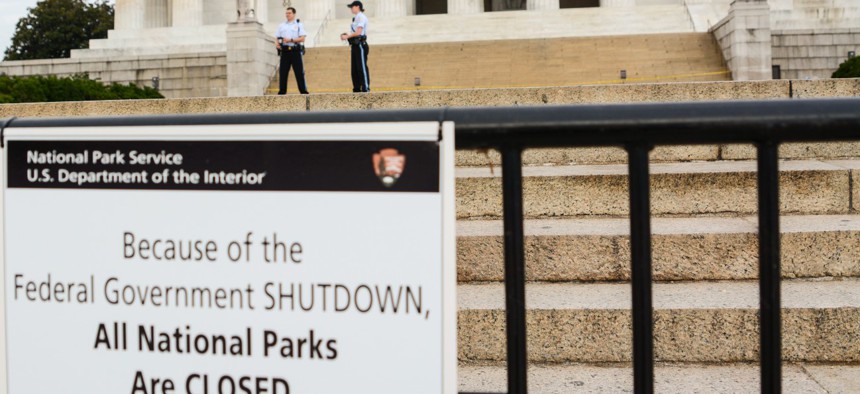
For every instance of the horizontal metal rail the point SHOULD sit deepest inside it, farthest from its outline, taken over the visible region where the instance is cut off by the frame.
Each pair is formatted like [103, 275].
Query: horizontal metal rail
[719, 122]
[636, 127]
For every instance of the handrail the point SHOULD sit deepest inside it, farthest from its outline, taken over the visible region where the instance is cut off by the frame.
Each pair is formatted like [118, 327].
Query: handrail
[636, 127]
[692, 23]
[322, 28]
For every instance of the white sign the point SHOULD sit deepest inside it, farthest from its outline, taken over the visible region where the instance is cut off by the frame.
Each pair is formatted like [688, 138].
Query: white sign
[230, 259]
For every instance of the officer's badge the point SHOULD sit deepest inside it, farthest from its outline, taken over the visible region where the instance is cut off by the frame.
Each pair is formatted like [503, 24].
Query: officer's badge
[388, 165]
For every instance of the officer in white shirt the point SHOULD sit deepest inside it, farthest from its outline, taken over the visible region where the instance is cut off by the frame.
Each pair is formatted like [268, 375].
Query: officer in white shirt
[357, 38]
[291, 34]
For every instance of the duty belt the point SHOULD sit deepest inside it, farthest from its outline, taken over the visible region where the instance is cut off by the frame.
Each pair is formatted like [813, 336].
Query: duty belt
[357, 40]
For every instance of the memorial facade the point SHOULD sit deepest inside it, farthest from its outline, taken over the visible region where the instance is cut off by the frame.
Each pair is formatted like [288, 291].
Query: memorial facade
[197, 48]
[138, 14]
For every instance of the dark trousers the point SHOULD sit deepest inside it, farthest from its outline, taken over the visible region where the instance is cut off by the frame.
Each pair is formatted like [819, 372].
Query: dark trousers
[291, 58]
[360, 73]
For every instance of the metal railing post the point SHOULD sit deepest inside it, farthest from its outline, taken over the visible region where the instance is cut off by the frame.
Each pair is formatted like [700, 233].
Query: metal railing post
[769, 268]
[515, 273]
[640, 253]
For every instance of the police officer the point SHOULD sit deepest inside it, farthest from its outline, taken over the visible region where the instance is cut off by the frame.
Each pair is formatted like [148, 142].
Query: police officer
[291, 33]
[357, 38]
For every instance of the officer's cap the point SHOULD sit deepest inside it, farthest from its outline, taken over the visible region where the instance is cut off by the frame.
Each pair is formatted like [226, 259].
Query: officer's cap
[356, 3]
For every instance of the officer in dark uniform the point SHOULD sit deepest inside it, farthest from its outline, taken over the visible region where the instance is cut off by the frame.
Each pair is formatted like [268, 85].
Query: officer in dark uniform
[291, 34]
[357, 38]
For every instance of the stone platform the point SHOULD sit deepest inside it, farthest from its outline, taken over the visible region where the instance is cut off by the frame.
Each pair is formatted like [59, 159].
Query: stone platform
[590, 94]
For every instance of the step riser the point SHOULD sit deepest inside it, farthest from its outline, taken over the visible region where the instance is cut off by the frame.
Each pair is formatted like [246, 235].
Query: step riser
[820, 335]
[675, 257]
[855, 190]
[809, 192]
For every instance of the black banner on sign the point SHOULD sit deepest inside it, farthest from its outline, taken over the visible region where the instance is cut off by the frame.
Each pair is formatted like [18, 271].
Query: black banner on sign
[349, 166]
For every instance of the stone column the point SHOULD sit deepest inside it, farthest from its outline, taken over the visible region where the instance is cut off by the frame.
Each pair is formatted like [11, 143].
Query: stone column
[542, 5]
[262, 10]
[130, 14]
[318, 9]
[745, 38]
[251, 59]
[461, 7]
[187, 13]
[617, 3]
[781, 4]
[392, 8]
[156, 13]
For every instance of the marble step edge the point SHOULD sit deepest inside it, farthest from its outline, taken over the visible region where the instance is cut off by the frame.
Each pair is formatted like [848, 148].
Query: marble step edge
[668, 378]
[708, 322]
[691, 167]
[661, 154]
[702, 295]
[660, 225]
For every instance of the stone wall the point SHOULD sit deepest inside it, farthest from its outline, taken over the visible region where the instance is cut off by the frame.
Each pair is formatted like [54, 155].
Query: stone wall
[722, 33]
[807, 39]
[179, 76]
[674, 92]
[250, 59]
[813, 54]
[745, 38]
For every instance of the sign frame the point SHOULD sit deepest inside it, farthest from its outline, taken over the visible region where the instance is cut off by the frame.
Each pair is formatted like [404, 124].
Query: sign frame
[123, 129]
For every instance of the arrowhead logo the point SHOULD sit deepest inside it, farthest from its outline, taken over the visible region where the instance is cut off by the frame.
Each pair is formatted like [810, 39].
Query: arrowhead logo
[388, 165]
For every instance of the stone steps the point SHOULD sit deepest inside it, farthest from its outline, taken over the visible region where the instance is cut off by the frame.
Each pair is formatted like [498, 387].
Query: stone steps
[128, 53]
[700, 322]
[576, 22]
[156, 41]
[780, 4]
[785, 14]
[805, 22]
[538, 62]
[815, 15]
[705, 262]
[725, 188]
[683, 249]
[668, 378]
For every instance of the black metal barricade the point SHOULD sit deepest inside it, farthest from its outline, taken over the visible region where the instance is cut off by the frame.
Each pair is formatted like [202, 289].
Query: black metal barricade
[638, 128]
[635, 127]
